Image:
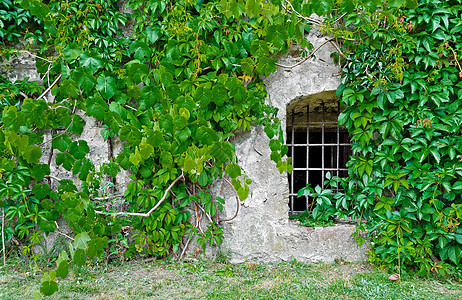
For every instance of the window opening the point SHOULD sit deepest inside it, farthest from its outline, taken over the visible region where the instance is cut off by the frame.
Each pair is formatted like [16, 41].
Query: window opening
[317, 145]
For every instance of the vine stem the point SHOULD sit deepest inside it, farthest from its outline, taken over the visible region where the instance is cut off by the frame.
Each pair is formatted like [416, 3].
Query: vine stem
[50, 87]
[237, 204]
[308, 57]
[70, 124]
[35, 56]
[3, 236]
[308, 19]
[185, 248]
[151, 210]
[62, 233]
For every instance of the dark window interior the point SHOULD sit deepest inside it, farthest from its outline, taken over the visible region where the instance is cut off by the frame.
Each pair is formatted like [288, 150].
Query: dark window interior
[317, 145]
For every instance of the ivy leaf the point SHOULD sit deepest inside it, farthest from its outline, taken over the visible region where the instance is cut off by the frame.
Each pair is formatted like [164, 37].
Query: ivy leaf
[113, 120]
[136, 70]
[226, 7]
[83, 168]
[140, 50]
[321, 7]
[61, 142]
[183, 134]
[48, 287]
[222, 151]
[154, 138]
[189, 165]
[79, 257]
[79, 149]
[146, 151]
[130, 134]
[233, 170]
[107, 86]
[411, 4]
[252, 8]
[67, 89]
[39, 171]
[106, 132]
[32, 154]
[247, 65]
[81, 240]
[277, 34]
[166, 123]
[150, 94]
[39, 9]
[348, 6]
[41, 190]
[203, 95]
[65, 159]
[396, 3]
[372, 5]
[220, 95]
[135, 158]
[66, 185]
[71, 52]
[111, 169]
[91, 60]
[123, 159]
[266, 66]
[206, 136]
[259, 48]
[77, 125]
[12, 119]
[96, 107]
[63, 269]
[152, 34]
[84, 77]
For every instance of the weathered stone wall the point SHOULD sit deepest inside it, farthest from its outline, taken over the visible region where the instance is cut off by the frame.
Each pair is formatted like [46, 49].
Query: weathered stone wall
[262, 230]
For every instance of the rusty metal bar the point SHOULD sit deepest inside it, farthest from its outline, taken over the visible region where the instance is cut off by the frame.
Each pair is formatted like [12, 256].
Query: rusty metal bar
[307, 150]
[322, 147]
[292, 162]
[338, 144]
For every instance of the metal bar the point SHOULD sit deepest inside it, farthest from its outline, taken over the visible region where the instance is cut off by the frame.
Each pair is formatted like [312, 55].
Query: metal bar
[319, 169]
[322, 147]
[311, 145]
[316, 123]
[291, 208]
[338, 143]
[307, 150]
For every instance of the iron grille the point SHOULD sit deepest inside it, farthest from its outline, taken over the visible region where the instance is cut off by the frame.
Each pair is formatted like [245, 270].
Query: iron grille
[317, 145]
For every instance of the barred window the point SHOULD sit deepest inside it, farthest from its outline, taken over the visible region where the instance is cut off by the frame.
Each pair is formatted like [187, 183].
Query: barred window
[317, 145]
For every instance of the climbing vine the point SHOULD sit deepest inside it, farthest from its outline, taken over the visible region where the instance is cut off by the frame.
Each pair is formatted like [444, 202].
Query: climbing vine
[174, 91]
[402, 91]
[182, 79]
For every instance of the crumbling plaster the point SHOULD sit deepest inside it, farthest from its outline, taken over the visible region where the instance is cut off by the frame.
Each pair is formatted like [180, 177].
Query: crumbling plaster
[262, 230]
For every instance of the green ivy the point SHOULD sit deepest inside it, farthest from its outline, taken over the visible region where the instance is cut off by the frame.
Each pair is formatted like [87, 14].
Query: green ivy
[402, 91]
[175, 92]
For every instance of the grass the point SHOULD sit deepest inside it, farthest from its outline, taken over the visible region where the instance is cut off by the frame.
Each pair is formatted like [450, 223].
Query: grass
[204, 279]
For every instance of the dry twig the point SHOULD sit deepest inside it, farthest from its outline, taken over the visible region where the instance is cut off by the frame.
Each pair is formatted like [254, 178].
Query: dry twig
[237, 202]
[151, 210]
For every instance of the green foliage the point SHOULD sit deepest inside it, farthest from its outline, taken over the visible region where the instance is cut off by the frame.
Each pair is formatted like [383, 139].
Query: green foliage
[17, 22]
[402, 91]
[174, 92]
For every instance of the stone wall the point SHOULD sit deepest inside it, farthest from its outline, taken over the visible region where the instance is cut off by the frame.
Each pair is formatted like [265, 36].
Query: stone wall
[262, 230]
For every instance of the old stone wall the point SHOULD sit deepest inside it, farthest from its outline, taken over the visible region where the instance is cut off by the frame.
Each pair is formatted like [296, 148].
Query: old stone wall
[262, 230]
